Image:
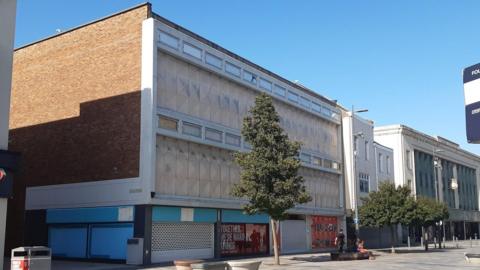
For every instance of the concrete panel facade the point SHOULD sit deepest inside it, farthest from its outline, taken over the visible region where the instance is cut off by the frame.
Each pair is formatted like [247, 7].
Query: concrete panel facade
[189, 169]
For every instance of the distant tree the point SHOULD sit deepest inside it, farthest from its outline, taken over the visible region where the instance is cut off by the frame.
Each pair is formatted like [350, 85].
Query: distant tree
[389, 206]
[428, 212]
[269, 179]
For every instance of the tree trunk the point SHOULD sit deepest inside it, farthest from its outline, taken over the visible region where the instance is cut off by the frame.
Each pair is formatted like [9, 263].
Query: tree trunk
[426, 238]
[439, 236]
[275, 241]
[392, 238]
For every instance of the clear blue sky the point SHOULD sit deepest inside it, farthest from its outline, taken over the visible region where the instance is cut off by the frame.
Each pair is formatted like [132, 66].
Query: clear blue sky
[400, 59]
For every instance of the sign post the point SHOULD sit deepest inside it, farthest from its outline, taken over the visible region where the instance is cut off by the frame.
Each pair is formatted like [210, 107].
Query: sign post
[471, 87]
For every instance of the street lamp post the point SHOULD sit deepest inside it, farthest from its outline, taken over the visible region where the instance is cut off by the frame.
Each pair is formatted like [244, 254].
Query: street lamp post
[436, 165]
[354, 167]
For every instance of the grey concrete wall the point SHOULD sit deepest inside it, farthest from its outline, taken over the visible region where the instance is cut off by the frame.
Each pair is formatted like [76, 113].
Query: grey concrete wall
[195, 170]
[188, 89]
[7, 31]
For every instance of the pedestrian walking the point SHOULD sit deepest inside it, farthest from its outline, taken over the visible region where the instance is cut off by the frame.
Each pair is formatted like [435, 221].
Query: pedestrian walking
[340, 241]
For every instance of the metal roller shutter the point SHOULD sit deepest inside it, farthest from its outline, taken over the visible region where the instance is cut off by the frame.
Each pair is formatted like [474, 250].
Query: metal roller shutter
[294, 236]
[172, 241]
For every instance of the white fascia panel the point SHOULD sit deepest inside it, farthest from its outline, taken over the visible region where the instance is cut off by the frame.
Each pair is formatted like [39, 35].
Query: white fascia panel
[148, 108]
[89, 194]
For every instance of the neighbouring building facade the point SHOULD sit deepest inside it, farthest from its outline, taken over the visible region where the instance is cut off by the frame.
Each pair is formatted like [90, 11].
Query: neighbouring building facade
[8, 159]
[367, 164]
[437, 168]
[127, 126]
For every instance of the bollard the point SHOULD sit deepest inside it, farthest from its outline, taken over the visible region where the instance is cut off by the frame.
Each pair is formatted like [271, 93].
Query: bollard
[444, 243]
[408, 240]
[435, 242]
[471, 244]
[421, 241]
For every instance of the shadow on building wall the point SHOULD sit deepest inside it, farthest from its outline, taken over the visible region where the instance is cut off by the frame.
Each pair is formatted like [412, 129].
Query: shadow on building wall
[102, 143]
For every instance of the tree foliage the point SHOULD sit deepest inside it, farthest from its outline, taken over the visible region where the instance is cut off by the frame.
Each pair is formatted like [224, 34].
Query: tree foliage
[429, 211]
[388, 206]
[269, 179]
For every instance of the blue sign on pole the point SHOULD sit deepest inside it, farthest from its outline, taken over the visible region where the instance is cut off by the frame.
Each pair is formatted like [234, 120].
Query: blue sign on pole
[471, 87]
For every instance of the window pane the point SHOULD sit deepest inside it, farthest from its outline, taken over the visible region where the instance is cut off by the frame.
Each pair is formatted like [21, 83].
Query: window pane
[327, 163]
[232, 69]
[388, 164]
[305, 102]
[213, 60]
[279, 90]
[169, 40]
[167, 123]
[192, 129]
[316, 107]
[316, 161]
[232, 139]
[292, 97]
[367, 151]
[335, 165]
[249, 77]
[192, 50]
[213, 135]
[267, 85]
[327, 112]
[305, 158]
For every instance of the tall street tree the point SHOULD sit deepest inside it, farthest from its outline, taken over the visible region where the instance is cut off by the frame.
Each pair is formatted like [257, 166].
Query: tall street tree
[428, 213]
[389, 206]
[269, 177]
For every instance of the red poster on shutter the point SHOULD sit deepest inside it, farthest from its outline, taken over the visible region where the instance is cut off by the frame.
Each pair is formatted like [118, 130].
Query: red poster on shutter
[324, 231]
[244, 239]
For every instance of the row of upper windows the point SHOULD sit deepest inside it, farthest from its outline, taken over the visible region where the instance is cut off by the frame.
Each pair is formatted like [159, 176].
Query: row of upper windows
[383, 165]
[245, 75]
[214, 135]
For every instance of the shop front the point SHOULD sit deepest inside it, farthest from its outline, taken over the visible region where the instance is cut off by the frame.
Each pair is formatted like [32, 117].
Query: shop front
[243, 235]
[90, 233]
[323, 232]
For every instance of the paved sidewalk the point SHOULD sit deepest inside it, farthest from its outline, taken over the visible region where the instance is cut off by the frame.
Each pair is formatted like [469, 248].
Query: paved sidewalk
[415, 258]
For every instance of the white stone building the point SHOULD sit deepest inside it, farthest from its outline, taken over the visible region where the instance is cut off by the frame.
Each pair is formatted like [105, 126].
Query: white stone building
[367, 163]
[435, 167]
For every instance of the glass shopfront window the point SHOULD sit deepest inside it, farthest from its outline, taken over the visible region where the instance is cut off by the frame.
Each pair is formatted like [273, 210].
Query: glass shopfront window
[244, 239]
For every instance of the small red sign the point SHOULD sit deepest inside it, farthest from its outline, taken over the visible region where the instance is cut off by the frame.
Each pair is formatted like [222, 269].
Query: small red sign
[3, 174]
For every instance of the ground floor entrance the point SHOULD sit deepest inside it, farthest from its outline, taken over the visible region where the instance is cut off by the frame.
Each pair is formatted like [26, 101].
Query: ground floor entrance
[172, 232]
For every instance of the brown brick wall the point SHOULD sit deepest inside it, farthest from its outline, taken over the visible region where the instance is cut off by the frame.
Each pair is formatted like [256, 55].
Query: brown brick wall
[75, 108]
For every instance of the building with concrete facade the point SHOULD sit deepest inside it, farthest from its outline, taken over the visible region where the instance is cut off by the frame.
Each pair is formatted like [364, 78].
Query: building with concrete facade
[139, 144]
[7, 32]
[367, 163]
[435, 167]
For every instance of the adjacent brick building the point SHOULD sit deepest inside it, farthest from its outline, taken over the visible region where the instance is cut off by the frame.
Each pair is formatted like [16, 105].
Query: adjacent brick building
[75, 108]
[127, 126]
